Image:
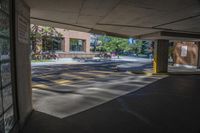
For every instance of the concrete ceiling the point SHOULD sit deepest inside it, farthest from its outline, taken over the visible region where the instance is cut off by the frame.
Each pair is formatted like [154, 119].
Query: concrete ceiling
[131, 18]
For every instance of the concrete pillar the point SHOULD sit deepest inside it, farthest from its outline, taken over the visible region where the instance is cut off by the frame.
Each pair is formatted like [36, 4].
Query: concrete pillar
[22, 61]
[67, 44]
[87, 49]
[161, 56]
[63, 45]
[198, 61]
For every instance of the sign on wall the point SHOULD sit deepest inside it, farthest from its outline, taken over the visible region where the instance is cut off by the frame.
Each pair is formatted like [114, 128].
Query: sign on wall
[23, 30]
[184, 50]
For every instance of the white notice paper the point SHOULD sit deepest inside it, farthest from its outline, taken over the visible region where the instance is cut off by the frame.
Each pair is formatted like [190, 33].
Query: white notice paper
[184, 51]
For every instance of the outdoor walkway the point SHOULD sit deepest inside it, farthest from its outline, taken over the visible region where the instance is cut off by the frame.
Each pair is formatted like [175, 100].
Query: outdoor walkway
[170, 105]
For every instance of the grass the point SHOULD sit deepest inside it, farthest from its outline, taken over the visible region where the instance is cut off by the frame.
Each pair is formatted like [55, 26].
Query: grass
[38, 61]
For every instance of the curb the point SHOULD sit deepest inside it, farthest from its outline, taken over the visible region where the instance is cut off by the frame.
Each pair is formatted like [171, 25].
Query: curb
[169, 73]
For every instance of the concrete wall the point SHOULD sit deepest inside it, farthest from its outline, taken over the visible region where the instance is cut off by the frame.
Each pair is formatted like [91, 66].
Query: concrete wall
[23, 67]
[191, 58]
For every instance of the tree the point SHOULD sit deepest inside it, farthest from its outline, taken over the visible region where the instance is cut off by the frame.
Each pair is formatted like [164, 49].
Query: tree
[136, 47]
[40, 35]
[141, 47]
[122, 46]
[94, 42]
[35, 37]
[113, 44]
[146, 48]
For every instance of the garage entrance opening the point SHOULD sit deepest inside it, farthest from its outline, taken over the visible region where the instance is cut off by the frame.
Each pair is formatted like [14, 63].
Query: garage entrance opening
[74, 71]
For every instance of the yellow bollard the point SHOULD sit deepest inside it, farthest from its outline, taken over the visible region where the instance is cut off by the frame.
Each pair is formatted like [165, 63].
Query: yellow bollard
[155, 61]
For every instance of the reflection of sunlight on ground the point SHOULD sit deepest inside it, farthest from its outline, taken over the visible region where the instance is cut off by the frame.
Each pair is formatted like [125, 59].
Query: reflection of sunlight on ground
[63, 90]
[61, 81]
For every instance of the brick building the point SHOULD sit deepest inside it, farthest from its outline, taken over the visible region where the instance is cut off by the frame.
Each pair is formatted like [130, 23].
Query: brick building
[74, 44]
[69, 45]
[186, 54]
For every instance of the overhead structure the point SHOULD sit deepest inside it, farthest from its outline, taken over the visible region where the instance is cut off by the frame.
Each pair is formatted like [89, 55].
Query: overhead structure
[127, 18]
[158, 20]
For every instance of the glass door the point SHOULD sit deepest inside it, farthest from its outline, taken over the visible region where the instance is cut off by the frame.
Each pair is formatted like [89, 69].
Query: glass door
[7, 117]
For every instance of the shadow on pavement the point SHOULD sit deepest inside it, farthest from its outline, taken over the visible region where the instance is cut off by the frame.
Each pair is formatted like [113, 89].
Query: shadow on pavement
[169, 105]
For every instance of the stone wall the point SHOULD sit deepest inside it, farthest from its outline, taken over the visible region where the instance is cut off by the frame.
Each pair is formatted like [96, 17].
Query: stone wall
[186, 53]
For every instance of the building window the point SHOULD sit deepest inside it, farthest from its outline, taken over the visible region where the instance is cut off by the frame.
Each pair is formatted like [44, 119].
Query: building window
[52, 44]
[7, 112]
[77, 45]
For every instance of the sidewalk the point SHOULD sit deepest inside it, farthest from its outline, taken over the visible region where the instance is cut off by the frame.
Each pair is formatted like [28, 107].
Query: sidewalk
[91, 61]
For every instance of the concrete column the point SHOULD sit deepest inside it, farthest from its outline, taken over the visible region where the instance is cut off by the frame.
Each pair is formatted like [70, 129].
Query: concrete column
[22, 61]
[87, 47]
[63, 45]
[161, 56]
[67, 44]
[198, 61]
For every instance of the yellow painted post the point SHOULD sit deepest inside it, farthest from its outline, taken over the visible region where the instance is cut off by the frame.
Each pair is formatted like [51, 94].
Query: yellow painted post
[155, 61]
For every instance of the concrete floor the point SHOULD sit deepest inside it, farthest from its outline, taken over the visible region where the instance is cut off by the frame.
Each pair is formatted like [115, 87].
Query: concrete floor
[170, 105]
[64, 90]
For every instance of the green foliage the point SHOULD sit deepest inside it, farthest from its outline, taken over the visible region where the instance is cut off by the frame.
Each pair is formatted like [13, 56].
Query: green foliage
[121, 45]
[113, 44]
[137, 47]
[40, 34]
[141, 47]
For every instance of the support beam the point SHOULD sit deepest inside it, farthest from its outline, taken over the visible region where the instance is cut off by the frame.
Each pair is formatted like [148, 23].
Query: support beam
[170, 35]
[161, 56]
